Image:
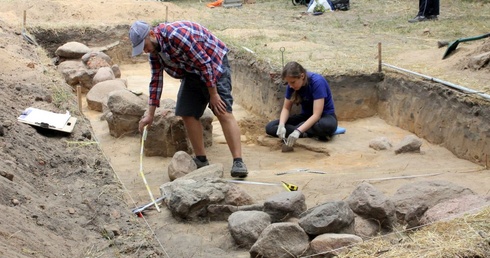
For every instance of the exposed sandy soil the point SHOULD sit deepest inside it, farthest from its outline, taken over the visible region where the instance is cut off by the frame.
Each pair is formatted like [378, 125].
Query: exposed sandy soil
[65, 199]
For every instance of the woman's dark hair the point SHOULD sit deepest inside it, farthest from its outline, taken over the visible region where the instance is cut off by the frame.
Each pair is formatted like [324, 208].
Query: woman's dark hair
[294, 69]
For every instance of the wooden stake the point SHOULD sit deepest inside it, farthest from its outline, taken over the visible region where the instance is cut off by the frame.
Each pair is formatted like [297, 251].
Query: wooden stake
[79, 97]
[166, 13]
[486, 161]
[24, 22]
[379, 57]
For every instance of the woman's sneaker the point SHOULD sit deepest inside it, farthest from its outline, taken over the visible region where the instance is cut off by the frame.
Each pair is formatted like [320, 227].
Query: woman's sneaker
[239, 169]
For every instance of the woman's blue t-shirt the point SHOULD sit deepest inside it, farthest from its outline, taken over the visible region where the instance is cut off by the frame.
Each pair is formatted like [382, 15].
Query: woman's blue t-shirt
[317, 88]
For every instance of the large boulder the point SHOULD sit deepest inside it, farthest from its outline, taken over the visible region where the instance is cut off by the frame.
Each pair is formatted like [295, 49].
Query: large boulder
[246, 226]
[180, 165]
[285, 205]
[72, 50]
[75, 73]
[410, 143]
[371, 203]
[167, 135]
[98, 95]
[96, 60]
[103, 74]
[124, 112]
[189, 199]
[281, 240]
[333, 244]
[413, 200]
[454, 208]
[330, 217]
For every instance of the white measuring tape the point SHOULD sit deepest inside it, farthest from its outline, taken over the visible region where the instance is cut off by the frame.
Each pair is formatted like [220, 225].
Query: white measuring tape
[143, 139]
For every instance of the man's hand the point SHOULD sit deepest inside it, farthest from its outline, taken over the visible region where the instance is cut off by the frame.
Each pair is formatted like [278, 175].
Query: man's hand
[146, 120]
[293, 137]
[281, 131]
[216, 104]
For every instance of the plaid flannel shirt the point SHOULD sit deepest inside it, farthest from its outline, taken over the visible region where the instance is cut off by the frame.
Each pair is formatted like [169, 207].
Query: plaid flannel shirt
[185, 47]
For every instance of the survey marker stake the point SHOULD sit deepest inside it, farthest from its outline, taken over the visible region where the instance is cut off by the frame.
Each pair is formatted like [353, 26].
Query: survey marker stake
[143, 139]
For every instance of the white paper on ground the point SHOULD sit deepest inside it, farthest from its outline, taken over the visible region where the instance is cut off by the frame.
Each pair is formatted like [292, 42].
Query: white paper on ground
[44, 118]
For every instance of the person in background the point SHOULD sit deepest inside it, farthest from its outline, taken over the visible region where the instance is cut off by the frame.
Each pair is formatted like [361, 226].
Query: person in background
[188, 51]
[428, 10]
[317, 117]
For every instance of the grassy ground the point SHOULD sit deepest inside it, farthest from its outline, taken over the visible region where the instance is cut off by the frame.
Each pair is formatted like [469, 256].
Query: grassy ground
[340, 41]
[347, 42]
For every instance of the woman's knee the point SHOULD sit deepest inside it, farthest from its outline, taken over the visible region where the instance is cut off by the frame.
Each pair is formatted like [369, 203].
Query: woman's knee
[271, 128]
[325, 127]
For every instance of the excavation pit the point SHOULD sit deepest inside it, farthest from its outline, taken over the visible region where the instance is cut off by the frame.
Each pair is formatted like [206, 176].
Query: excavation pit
[390, 104]
[432, 111]
[454, 128]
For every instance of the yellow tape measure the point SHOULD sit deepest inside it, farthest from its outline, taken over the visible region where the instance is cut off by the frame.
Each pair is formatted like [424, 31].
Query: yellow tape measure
[289, 187]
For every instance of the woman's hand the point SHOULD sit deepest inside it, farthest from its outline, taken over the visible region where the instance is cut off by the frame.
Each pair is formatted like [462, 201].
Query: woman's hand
[293, 137]
[281, 131]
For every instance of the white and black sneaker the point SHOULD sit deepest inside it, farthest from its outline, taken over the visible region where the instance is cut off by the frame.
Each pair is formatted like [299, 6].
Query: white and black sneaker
[239, 169]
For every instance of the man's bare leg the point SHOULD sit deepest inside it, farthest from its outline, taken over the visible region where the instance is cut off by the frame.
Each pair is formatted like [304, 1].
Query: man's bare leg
[231, 131]
[232, 136]
[195, 133]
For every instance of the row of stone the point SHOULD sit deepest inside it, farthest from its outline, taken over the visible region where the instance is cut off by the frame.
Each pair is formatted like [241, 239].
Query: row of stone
[282, 225]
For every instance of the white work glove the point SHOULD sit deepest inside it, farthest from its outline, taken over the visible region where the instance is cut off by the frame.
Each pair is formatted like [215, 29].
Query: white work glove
[293, 137]
[281, 131]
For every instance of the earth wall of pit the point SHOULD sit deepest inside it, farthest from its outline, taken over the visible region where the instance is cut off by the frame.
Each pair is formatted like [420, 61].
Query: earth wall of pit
[441, 115]
[260, 90]
[112, 40]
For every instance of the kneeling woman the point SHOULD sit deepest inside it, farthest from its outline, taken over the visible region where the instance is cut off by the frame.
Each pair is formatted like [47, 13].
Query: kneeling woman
[317, 117]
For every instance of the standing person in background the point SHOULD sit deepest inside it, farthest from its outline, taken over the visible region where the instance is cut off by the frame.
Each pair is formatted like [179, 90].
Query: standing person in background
[428, 10]
[188, 51]
[317, 117]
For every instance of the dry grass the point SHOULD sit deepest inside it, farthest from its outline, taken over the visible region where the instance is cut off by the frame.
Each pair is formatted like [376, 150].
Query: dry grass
[343, 42]
[467, 236]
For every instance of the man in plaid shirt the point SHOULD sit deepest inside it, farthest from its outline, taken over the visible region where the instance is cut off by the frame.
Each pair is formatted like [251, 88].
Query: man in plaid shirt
[188, 51]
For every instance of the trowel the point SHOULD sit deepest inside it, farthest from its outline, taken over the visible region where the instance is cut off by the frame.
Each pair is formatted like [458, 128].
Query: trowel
[285, 147]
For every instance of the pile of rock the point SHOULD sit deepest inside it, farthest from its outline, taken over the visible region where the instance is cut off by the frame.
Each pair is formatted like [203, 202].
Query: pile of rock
[106, 92]
[283, 226]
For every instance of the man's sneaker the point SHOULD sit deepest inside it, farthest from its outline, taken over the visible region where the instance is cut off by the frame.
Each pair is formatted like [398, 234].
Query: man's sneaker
[432, 17]
[199, 163]
[239, 169]
[418, 18]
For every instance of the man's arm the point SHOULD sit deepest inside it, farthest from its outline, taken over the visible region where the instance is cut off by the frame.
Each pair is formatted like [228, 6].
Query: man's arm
[156, 82]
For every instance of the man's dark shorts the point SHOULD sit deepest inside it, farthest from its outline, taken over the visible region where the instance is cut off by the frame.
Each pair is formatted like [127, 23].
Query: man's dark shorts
[193, 96]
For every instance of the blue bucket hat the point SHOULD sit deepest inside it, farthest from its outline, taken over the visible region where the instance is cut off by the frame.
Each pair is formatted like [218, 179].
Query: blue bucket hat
[137, 33]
